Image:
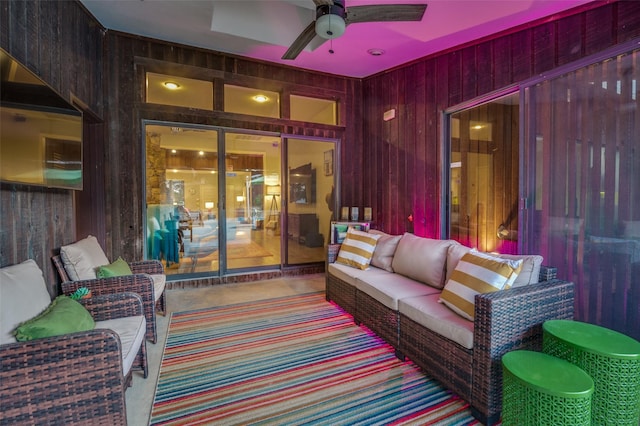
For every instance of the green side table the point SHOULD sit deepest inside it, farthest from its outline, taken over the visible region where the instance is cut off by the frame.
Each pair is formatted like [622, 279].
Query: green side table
[542, 390]
[612, 359]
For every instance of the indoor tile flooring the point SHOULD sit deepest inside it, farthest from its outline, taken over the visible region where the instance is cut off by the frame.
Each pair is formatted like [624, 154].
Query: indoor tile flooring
[139, 396]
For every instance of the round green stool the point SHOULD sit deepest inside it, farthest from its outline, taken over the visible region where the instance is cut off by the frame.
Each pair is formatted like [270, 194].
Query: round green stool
[541, 390]
[612, 360]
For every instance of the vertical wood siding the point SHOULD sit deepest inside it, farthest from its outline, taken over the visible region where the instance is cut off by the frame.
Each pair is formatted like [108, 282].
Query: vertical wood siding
[59, 42]
[403, 157]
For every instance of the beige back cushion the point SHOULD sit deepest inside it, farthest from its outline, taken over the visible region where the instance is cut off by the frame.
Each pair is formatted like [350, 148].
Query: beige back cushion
[82, 258]
[385, 249]
[23, 295]
[530, 264]
[423, 259]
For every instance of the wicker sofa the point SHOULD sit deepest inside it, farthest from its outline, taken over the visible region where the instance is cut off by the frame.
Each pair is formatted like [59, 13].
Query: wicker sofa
[397, 297]
[74, 378]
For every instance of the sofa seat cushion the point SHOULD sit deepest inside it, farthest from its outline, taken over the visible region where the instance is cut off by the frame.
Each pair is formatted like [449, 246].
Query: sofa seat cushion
[349, 274]
[159, 283]
[23, 295]
[529, 274]
[389, 289]
[423, 259]
[131, 331]
[428, 312]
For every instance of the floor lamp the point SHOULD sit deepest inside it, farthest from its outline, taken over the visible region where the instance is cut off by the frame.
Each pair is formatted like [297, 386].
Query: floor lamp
[273, 221]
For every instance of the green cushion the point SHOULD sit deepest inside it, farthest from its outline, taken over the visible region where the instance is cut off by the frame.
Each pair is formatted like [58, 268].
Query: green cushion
[116, 269]
[64, 315]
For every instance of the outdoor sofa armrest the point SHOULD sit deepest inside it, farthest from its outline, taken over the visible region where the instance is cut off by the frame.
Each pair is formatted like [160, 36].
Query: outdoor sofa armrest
[151, 267]
[114, 305]
[70, 379]
[510, 320]
[141, 284]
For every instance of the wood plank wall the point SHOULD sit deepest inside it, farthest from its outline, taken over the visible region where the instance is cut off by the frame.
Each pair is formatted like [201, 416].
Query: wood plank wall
[130, 56]
[392, 166]
[49, 37]
[403, 157]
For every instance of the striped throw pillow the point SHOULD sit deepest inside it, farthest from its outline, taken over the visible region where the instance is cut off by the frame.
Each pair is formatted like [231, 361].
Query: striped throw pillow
[357, 249]
[477, 273]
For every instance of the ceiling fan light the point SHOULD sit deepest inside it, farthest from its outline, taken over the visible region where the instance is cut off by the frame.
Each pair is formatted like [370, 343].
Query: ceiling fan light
[330, 26]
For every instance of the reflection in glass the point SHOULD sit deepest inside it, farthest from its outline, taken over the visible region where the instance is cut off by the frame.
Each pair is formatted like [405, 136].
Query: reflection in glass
[484, 175]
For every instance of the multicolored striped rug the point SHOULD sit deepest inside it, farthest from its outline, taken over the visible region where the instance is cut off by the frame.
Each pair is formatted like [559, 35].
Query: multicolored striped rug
[291, 361]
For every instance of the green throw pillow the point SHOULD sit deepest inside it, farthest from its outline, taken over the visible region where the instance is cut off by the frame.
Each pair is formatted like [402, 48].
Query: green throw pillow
[116, 269]
[64, 315]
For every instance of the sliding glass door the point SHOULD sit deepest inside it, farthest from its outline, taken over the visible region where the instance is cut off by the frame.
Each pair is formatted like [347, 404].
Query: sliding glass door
[210, 200]
[252, 191]
[310, 194]
[484, 179]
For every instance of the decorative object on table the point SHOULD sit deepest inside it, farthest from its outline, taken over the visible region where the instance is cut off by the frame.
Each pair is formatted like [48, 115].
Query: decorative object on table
[611, 358]
[368, 213]
[539, 389]
[328, 163]
[354, 214]
[339, 230]
[344, 213]
[81, 293]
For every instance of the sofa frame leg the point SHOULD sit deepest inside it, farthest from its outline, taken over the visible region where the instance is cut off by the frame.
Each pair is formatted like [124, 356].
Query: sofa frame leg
[400, 355]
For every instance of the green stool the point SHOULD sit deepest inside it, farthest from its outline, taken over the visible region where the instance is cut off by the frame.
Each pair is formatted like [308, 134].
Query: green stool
[541, 390]
[612, 359]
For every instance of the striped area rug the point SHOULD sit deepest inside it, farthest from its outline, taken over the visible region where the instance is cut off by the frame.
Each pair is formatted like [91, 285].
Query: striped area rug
[291, 361]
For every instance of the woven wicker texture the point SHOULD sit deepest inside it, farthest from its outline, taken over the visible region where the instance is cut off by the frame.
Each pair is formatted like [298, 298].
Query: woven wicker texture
[140, 283]
[616, 400]
[505, 321]
[342, 294]
[70, 379]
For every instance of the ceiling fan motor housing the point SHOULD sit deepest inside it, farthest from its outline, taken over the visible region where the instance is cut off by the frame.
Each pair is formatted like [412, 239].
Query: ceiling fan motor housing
[330, 20]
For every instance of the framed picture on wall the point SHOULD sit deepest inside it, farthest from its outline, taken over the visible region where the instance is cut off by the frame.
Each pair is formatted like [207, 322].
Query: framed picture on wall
[328, 163]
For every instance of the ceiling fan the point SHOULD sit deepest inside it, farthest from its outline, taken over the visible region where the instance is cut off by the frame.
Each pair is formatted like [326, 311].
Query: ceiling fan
[332, 17]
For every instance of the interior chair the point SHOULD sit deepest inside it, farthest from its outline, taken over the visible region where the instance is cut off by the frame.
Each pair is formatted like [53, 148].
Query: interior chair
[79, 264]
[78, 377]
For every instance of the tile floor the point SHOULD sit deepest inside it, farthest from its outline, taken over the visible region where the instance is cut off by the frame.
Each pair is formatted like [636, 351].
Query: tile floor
[140, 396]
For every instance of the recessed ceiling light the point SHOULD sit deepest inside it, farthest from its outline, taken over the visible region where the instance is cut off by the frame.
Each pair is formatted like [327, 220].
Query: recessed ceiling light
[260, 98]
[375, 52]
[171, 85]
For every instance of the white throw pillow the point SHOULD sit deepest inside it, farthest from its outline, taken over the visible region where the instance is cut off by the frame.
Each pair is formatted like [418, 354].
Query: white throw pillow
[82, 258]
[477, 273]
[23, 295]
[357, 249]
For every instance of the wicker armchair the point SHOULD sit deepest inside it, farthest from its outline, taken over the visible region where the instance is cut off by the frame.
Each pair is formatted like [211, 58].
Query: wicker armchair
[71, 379]
[140, 283]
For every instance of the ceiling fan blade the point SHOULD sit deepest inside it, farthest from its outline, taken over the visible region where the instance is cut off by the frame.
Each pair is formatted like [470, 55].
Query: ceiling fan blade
[323, 2]
[301, 42]
[385, 12]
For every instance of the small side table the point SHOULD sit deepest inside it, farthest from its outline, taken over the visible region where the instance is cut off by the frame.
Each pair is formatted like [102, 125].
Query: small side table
[541, 390]
[612, 359]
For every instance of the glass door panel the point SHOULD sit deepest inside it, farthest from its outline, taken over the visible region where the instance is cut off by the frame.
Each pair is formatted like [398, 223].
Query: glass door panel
[483, 179]
[182, 198]
[253, 208]
[310, 182]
